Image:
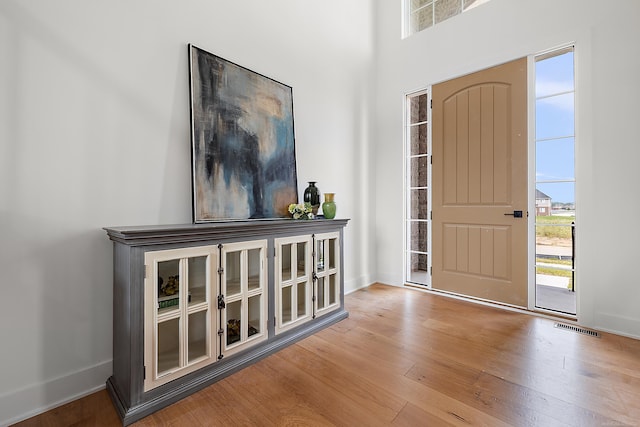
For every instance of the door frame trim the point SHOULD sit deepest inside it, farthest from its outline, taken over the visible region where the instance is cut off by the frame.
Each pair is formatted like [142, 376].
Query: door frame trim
[531, 248]
[531, 178]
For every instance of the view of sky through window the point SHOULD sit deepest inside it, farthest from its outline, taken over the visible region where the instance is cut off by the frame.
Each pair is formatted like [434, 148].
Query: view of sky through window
[555, 138]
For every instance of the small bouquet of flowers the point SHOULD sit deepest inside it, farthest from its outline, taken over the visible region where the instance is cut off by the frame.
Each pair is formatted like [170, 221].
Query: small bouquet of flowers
[301, 210]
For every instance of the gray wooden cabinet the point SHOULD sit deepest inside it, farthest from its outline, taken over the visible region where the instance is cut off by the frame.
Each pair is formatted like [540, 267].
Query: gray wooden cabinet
[194, 303]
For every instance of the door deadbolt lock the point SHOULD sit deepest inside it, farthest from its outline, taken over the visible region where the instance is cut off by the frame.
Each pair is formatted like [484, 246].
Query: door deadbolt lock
[515, 214]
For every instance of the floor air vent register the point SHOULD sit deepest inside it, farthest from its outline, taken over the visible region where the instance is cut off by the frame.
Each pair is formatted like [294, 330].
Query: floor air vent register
[577, 329]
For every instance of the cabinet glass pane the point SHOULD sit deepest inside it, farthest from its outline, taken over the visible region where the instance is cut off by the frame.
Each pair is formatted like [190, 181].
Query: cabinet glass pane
[332, 253]
[234, 315]
[254, 268]
[286, 304]
[168, 285]
[197, 268]
[286, 262]
[168, 345]
[302, 268]
[232, 271]
[255, 313]
[332, 289]
[320, 255]
[320, 295]
[302, 299]
[197, 335]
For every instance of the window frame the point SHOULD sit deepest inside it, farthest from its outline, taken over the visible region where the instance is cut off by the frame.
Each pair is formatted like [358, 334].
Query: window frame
[408, 188]
[533, 168]
[407, 13]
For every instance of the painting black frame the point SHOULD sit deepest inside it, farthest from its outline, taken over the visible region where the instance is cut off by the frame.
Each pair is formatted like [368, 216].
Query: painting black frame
[242, 141]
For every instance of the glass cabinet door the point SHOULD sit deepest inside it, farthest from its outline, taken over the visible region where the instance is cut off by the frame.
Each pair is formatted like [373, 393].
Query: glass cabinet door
[243, 290]
[178, 313]
[293, 279]
[327, 272]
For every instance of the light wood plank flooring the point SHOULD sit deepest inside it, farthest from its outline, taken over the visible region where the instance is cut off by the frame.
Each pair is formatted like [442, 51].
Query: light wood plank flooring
[407, 358]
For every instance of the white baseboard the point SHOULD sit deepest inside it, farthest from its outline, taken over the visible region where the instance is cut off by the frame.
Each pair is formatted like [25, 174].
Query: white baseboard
[353, 285]
[35, 399]
[616, 324]
[390, 279]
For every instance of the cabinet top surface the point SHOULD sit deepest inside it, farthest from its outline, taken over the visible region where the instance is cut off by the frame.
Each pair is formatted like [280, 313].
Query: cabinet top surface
[151, 234]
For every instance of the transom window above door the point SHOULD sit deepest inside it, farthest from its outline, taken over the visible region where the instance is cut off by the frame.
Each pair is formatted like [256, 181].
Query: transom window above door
[418, 15]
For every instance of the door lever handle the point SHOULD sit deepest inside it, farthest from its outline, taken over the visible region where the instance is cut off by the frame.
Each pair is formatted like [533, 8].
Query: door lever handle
[515, 214]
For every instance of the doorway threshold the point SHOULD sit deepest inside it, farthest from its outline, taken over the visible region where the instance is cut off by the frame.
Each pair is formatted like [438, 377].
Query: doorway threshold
[555, 299]
[540, 312]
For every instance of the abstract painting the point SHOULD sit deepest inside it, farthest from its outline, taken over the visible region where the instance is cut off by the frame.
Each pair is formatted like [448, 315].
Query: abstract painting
[242, 141]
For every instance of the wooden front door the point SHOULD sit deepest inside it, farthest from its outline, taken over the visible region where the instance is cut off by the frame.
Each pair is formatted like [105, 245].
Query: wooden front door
[480, 184]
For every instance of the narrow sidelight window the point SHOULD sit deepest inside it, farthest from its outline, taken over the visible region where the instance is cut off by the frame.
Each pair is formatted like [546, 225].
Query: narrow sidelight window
[555, 181]
[417, 185]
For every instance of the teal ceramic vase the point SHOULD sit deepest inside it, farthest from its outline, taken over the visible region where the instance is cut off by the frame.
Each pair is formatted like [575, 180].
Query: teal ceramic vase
[329, 206]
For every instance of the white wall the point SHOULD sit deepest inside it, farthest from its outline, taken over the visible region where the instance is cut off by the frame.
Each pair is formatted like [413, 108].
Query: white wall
[94, 132]
[607, 69]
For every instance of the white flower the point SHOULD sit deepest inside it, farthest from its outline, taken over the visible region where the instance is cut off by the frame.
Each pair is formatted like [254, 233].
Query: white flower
[300, 211]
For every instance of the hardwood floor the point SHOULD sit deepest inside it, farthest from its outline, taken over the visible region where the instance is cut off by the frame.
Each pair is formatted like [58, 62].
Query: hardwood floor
[407, 358]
